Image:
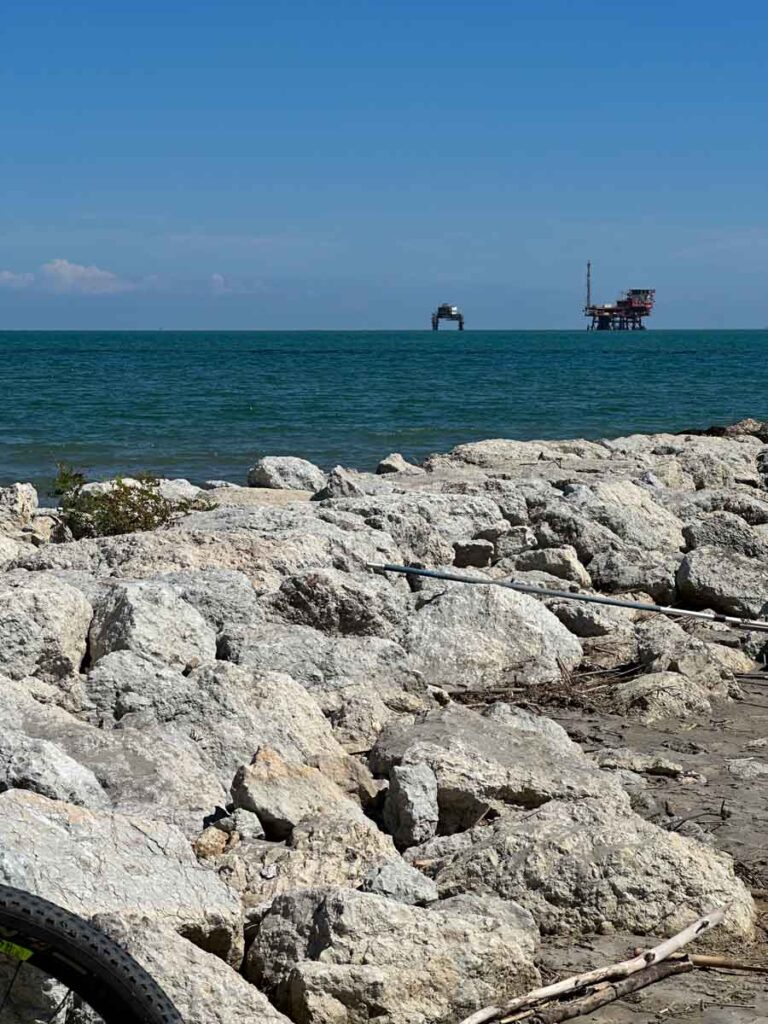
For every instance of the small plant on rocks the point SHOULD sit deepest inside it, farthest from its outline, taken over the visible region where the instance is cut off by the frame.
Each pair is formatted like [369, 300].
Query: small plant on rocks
[126, 506]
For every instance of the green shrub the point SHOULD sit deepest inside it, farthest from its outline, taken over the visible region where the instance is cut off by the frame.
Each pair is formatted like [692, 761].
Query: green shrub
[123, 508]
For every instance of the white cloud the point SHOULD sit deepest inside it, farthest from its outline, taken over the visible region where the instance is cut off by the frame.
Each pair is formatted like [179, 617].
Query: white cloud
[15, 281]
[219, 285]
[75, 279]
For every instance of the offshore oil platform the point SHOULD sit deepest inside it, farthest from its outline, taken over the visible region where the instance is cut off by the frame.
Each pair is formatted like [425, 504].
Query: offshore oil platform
[447, 312]
[625, 314]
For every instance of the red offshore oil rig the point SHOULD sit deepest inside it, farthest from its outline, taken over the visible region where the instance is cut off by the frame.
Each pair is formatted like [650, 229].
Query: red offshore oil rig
[625, 314]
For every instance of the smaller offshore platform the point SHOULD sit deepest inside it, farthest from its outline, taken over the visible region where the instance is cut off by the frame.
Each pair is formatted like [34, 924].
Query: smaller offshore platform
[625, 314]
[446, 311]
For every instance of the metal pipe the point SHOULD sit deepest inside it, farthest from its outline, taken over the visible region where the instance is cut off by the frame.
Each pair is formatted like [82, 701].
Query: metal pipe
[566, 595]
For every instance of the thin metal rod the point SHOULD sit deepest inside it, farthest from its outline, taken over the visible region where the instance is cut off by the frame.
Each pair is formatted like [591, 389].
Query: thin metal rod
[566, 595]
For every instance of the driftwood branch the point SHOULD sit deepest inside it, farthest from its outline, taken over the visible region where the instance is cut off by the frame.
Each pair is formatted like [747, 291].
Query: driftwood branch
[612, 972]
[610, 992]
[726, 963]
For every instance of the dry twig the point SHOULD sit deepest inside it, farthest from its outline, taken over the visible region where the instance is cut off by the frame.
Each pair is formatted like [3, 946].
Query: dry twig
[610, 973]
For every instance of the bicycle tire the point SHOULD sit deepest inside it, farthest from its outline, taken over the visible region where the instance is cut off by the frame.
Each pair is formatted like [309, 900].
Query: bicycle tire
[87, 961]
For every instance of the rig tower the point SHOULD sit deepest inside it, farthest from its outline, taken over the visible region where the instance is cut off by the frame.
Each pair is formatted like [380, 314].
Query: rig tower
[446, 311]
[625, 314]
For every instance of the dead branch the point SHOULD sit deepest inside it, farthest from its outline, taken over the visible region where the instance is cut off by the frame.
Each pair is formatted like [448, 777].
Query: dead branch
[727, 963]
[611, 992]
[613, 971]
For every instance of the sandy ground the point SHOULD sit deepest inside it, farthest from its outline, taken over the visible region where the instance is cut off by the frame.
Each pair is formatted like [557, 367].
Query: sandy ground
[732, 813]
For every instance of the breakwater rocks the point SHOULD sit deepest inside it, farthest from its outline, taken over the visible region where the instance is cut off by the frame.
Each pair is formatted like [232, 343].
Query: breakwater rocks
[299, 789]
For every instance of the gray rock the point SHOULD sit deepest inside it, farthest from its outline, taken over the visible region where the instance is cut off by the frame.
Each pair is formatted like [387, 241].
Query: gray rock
[623, 759]
[475, 637]
[411, 811]
[18, 504]
[615, 650]
[43, 626]
[628, 569]
[152, 620]
[223, 597]
[286, 473]
[519, 539]
[557, 524]
[724, 580]
[725, 530]
[399, 881]
[629, 512]
[477, 552]
[178, 490]
[283, 793]
[348, 483]
[202, 987]
[747, 769]
[419, 965]
[247, 824]
[528, 723]
[265, 543]
[504, 456]
[483, 765]
[125, 682]
[664, 646]
[322, 662]
[472, 904]
[592, 620]
[341, 603]
[43, 767]
[105, 863]
[576, 866]
[9, 551]
[228, 712]
[145, 773]
[395, 463]
[660, 695]
[325, 850]
[561, 562]
[425, 526]
[218, 485]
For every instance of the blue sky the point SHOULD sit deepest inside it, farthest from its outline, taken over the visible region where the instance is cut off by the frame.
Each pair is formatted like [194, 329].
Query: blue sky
[350, 163]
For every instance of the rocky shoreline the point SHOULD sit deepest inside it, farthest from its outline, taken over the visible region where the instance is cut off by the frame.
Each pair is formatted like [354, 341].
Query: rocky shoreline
[296, 788]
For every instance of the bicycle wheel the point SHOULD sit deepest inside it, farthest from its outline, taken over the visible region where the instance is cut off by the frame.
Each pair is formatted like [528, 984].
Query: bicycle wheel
[55, 967]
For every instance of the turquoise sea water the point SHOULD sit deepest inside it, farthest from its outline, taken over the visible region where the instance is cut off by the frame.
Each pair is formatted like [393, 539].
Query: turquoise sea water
[207, 404]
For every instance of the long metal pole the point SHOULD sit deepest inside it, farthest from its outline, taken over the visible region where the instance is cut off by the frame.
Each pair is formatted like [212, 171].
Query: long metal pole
[566, 595]
[589, 284]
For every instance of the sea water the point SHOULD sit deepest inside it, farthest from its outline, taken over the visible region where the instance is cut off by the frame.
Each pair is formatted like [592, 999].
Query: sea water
[208, 404]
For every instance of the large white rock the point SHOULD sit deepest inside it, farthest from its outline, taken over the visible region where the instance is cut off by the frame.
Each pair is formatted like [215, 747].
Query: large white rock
[629, 512]
[345, 957]
[483, 763]
[147, 773]
[658, 695]
[342, 603]
[282, 793]
[225, 711]
[266, 543]
[425, 526]
[285, 472]
[580, 864]
[18, 504]
[105, 863]
[202, 987]
[151, 619]
[478, 637]
[43, 626]
[325, 850]
[43, 767]
[725, 580]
